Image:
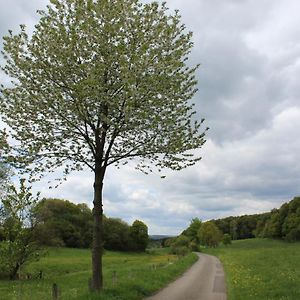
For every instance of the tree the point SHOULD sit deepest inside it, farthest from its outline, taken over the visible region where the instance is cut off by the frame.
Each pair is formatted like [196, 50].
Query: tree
[63, 223]
[193, 229]
[273, 226]
[138, 234]
[116, 234]
[16, 219]
[291, 221]
[100, 83]
[209, 234]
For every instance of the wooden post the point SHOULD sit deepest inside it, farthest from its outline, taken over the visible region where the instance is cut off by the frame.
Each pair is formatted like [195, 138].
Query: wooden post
[90, 284]
[114, 277]
[55, 293]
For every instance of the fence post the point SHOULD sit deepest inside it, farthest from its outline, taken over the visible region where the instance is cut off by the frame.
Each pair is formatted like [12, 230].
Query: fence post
[114, 277]
[55, 293]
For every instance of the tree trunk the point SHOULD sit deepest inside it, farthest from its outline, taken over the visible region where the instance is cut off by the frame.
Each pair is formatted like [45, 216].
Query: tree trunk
[14, 272]
[97, 249]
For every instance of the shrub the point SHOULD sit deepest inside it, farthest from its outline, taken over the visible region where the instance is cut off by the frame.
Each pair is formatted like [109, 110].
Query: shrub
[180, 245]
[194, 246]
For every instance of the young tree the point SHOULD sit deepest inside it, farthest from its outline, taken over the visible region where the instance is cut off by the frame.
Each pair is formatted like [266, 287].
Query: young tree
[209, 234]
[100, 83]
[18, 224]
[138, 234]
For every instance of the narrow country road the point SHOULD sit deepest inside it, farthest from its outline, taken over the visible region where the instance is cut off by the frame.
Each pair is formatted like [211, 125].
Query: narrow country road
[203, 281]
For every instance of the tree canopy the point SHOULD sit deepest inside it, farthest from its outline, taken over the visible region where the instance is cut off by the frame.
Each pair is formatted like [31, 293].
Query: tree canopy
[101, 79]
[138, 234]
[63, 223]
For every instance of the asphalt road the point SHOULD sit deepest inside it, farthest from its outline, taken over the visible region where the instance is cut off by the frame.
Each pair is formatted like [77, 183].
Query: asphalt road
[203, 281]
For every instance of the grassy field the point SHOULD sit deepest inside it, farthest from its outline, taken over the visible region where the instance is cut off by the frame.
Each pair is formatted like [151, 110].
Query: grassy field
[261, 269]
[137, 275]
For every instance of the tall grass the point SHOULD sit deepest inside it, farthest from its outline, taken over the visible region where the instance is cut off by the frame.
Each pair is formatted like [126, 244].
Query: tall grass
[261, 269]
[137, 275]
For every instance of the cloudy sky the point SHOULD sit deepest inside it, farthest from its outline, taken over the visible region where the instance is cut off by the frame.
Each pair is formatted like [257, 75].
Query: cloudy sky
[249, 94]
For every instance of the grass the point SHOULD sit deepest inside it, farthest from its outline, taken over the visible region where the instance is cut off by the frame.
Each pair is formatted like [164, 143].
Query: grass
[137, 275]
[261, 269]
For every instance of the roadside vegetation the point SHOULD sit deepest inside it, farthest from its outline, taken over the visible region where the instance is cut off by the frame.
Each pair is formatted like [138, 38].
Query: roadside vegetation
[127, 275]
[260, 269]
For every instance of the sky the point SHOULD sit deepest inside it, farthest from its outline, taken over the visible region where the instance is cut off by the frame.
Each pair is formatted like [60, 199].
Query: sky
[249, 94]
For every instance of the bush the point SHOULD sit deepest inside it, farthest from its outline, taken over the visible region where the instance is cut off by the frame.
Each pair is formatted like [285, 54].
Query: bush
[181, 251]
[180, 245]
[194, 246]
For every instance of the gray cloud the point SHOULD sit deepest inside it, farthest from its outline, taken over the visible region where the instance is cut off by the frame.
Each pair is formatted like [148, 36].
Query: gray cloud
[248, 63]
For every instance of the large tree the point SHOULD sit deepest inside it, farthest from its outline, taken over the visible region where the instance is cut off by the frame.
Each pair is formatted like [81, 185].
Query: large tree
[99, 83]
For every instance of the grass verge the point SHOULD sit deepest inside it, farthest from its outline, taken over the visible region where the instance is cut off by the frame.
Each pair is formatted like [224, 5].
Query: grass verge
[261, 269]
[137, 275]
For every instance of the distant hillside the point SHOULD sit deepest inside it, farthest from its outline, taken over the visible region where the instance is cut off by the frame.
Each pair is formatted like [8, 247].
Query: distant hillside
[159, 237]
[282, 223]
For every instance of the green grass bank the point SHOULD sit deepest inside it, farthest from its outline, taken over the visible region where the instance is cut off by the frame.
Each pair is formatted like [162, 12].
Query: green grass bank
[137, 275]
[261, 269]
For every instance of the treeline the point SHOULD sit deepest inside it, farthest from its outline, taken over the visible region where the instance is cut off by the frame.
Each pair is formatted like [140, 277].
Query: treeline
[282, 223]
[63, 223]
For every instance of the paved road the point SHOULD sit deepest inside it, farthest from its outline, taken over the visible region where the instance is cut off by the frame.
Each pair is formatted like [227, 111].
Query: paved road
[203, 281]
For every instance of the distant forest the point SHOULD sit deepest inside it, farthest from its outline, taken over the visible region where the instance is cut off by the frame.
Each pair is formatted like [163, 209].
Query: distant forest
[282, 223]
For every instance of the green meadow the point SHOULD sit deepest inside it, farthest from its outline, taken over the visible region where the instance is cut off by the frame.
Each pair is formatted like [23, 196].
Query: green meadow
[261, 269]
[136, 275]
